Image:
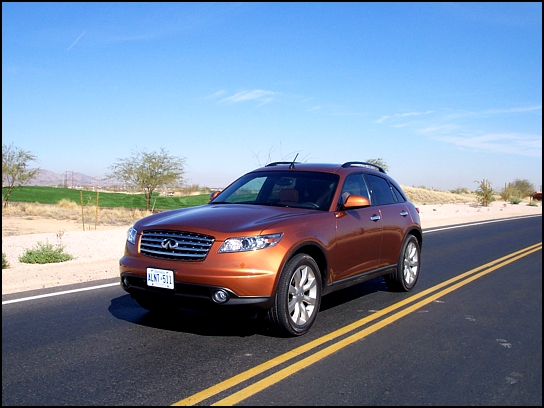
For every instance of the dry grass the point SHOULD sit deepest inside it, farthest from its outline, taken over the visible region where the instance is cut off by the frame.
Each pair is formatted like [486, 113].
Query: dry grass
[422, 196]
[68, 210]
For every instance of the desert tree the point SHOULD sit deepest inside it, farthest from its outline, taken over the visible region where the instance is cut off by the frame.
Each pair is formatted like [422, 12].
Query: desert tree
[523, 187]
[379, 162]
[15, 172]
[147, 171]
[517, 190]
[484, 192]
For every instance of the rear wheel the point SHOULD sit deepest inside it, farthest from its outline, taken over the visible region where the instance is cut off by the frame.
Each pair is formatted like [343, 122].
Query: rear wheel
[405, 277]
[297, 297]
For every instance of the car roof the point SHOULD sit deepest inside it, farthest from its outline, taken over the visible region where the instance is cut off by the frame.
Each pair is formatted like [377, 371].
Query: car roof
[322, 167]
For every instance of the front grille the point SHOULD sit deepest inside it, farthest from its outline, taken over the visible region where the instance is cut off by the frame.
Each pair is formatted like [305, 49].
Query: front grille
[175, 245]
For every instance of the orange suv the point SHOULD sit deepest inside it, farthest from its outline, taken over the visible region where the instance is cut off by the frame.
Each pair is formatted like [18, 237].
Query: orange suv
[276, 240]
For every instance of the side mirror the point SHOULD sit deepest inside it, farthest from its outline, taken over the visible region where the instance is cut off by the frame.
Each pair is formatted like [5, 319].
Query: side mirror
[356, 201]
[214, 194]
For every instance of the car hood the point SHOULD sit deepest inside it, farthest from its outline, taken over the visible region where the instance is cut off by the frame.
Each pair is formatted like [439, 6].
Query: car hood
[228, 219]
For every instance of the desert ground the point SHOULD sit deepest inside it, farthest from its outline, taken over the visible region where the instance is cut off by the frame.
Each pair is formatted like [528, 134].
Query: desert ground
[97, 251]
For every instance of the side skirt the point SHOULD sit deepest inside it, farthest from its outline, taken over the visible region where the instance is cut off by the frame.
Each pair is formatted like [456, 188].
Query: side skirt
[362, 277]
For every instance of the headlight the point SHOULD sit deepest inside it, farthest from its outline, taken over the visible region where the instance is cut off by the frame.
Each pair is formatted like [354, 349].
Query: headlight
[132, 233]
[241, 244]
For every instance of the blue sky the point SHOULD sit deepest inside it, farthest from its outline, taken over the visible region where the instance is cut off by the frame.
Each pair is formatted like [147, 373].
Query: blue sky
[445, 93]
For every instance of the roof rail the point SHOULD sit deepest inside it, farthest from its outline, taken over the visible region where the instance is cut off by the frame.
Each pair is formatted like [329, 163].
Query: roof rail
[366, 164]
[291, 164]
[276, 163]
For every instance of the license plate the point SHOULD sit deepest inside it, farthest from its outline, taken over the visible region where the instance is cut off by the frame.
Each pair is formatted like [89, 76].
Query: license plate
[160, 278]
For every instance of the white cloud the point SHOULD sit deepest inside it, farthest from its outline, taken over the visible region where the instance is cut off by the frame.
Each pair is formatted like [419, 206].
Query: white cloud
[215, 94]
[254, 95]
[503, 143]
[315, 108]
[382, 119]
[463, 114]
[437, 129]
[402, 115]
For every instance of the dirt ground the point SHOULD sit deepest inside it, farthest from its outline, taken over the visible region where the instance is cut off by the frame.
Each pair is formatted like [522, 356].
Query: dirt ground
[97, 251]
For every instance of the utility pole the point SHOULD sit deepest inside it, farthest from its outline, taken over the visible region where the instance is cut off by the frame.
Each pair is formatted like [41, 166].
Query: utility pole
[66, 178]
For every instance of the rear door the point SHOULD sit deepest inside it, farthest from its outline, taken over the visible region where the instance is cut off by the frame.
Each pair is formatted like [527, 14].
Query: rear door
[394, 216]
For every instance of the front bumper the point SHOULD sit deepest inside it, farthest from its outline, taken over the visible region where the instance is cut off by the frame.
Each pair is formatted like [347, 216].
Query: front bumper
[191, 295]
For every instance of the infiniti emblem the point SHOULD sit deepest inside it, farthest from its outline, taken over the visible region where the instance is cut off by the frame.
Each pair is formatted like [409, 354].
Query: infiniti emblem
[169, 243]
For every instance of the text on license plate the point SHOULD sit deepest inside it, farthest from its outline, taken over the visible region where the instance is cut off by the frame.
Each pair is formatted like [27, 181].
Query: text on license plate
[160, 278]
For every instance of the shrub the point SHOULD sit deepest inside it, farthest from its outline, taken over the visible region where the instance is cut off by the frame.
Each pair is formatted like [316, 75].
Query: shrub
[44, 253]
[461, 190]
[515, 200]
[5, 263]
[524, 187]
[484, 193]
[532, 204]
[508, 191]
[518, 188]
[68, 204]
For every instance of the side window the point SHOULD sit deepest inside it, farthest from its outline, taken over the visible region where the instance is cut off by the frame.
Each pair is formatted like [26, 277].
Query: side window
[380, 193]
[398, 195]
[354, 184]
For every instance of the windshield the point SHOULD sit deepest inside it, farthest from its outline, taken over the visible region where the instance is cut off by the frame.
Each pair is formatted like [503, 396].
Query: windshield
[298, 189]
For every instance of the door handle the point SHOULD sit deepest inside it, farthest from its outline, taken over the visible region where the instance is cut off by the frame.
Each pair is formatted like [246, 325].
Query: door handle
[404, 213]
[375, 218]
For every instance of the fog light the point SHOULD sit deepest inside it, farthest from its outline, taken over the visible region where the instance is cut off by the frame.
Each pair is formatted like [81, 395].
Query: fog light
[220, 296]
[124, 281]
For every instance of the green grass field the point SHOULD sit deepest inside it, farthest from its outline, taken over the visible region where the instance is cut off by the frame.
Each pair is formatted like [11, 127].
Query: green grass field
[52, 195]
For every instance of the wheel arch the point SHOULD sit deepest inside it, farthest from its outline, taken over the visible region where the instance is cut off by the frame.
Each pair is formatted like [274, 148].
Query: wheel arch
[317, 253]
[416, 232]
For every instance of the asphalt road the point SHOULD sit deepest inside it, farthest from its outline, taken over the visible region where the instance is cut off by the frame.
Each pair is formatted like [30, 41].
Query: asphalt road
[469, 334]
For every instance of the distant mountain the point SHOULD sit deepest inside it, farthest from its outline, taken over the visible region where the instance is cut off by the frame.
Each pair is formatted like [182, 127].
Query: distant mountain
[68, 179]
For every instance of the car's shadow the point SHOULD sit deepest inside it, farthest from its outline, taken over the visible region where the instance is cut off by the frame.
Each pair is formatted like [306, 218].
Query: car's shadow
[201, 322]
[229, 322]
[351, 293]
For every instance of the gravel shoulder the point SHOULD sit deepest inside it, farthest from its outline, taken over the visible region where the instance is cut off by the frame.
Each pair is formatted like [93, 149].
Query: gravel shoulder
[97, 252]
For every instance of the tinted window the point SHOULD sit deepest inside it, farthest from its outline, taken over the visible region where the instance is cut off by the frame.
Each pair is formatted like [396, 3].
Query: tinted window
[380, 193]
[398, 194]
[354, 184]
[312, 190]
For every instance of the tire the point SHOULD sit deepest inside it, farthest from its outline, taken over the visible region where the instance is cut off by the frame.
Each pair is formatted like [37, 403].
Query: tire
[297, 298]
[405, 277]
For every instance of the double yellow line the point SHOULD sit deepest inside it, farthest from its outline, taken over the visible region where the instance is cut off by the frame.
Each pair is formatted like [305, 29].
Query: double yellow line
[277, 376]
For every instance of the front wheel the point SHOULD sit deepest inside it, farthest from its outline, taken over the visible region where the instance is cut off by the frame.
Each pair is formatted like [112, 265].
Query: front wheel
[405, 277]
[297, 297]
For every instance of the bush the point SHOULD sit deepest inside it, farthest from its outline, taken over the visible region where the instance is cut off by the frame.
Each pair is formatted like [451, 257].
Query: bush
[508, 191]
[5, 263]
[70, 205]
[44, 253]
[518, 188]
[532, 204]
[515, 200]
[461, 190]
[524, 187]
[484, 193]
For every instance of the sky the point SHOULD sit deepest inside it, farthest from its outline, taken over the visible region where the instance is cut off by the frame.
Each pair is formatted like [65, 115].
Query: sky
[446, 94]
